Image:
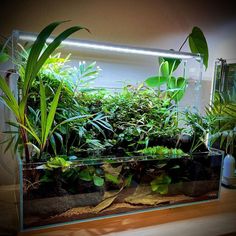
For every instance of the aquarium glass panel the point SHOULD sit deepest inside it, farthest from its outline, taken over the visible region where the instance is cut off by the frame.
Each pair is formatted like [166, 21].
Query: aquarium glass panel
[97, 187]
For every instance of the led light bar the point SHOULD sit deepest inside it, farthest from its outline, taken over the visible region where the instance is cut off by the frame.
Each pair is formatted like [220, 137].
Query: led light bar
[30, 37]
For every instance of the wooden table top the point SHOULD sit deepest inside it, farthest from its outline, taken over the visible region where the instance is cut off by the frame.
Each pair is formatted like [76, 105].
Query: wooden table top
[217, 217]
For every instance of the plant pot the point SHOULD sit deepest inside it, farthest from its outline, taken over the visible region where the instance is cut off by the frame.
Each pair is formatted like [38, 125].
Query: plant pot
[114, 186]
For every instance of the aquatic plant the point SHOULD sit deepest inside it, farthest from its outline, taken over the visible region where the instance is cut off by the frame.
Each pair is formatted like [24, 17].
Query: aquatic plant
[160, 184]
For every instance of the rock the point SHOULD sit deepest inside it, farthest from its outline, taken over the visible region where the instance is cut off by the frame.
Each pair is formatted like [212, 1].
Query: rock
[57, 205]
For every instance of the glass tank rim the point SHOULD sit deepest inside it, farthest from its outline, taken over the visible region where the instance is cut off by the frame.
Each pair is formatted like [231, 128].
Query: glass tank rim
[112, 159]
[107, 46]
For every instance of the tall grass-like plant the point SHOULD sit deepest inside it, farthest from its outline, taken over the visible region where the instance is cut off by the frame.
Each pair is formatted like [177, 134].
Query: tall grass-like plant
[47, 119]
[37, 57]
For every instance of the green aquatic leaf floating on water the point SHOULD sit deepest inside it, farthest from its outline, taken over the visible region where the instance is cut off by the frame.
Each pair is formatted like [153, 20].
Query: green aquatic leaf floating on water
[198, 44]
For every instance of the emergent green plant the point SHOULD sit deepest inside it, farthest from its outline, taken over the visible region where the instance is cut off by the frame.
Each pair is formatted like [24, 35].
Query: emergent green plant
[57, 163]
[36, 59]
[175, 87]
[197, 126]
[160, 150]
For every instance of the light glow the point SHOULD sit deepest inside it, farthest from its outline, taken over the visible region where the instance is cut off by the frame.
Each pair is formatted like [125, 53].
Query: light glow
[112, 48]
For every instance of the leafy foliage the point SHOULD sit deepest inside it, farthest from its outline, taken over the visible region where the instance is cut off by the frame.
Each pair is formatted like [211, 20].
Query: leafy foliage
[36, 59]
[198, 44]
[174, 87]
[222, 117]
[160, 150]
[197, 126]
[138, 117]
[57, 163]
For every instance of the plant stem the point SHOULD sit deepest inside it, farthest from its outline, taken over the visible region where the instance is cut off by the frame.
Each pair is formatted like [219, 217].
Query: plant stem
[183, 43]
[25, 141]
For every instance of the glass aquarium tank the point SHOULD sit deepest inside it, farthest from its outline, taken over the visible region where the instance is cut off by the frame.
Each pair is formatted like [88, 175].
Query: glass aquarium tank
[109, 130]
[97, 187]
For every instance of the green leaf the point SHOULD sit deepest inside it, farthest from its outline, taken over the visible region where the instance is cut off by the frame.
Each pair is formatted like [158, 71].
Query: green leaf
[160, 184]
[172, 83]
[35, 52]
[164, 67]
[58, 162]
[155, 81]
[177, 86]
[43, 109]
[9, 98]
[70, 120]
[53, 45]
[53, 144]
[181, 85]
[51, 114]
[4, 57]
[154, 186]
[198, 44]
[35, 147]
[85, 175]
[98, 181]
[163, 189]
[173, 63]
[30, 130]
[112, 178]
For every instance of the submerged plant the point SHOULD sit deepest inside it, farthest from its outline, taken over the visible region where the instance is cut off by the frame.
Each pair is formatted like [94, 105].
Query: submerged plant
[160, 184]
[91, 173]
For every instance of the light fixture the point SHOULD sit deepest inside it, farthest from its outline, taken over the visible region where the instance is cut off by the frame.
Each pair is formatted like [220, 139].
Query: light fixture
[31, 37]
